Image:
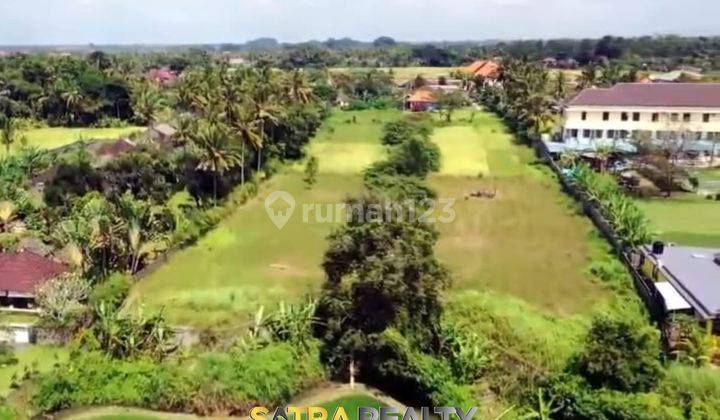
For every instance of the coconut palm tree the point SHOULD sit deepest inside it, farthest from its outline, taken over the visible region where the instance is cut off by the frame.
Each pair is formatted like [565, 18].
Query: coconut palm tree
[216, 153]
[298, 86]
[588, 77]
[8, 132]
[147, 103]
[73, 100]
[247, 128]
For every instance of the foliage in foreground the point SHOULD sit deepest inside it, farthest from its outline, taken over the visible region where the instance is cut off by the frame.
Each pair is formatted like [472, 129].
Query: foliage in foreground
[215, 382]
[627, 220]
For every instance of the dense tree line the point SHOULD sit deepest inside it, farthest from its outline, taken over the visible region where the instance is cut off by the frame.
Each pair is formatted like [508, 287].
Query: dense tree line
[96, 89]
[655, 51]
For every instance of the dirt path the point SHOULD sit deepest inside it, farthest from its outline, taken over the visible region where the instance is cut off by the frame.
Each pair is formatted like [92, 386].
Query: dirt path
[131, 413]
[331, 391]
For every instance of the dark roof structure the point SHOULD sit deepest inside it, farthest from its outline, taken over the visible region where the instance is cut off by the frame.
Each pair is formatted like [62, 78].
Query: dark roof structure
[695, 275]
[22, 272]
[115, 148]
[701, 95]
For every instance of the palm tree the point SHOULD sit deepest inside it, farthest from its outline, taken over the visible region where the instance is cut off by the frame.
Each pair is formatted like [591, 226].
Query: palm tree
[147, 103]
[215, 152]
[73, 100]
[185, 130]
[298, 86]
[247, 128]
[561, 87]
[8, 132]
[588, 78]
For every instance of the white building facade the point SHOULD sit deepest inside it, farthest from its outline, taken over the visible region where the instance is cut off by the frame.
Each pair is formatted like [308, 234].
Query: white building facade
[631, 111]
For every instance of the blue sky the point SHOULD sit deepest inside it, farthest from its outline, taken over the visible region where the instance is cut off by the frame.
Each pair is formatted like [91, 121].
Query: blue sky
[198, 21]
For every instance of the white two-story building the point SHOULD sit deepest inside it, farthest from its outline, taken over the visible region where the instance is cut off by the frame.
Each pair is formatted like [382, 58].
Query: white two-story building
[654, 111]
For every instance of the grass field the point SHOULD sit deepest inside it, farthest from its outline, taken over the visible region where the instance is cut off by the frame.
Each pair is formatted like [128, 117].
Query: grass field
[246, 261]
[406, 73]
[42, 358]
[52, 137]
[525, 242]
[686, 219]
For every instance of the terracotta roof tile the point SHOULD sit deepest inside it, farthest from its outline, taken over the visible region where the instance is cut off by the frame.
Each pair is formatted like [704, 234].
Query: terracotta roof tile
[24, 271]
[423, 95]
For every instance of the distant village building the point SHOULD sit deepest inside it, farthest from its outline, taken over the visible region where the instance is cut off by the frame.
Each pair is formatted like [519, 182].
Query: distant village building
[21, 274]
[488, 70]
[423, 99]
[162, 77]
[653, 111]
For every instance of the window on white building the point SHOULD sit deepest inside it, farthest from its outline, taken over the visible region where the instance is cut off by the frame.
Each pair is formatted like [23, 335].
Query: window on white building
[583, 116]
[636, 116]
[606, 116]
[598, 134]
[706, 118]
[611, 134]
[624, 116]
[655, 117]
[674, 117]
[586, 134]
[686, 117]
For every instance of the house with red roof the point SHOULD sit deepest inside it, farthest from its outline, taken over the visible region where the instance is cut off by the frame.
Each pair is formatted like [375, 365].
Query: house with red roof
[162, 77]
[486, 69]
[22, 273]
[423, 99]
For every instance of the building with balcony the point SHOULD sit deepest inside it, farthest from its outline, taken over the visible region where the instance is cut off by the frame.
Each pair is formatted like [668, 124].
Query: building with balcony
[652, 111]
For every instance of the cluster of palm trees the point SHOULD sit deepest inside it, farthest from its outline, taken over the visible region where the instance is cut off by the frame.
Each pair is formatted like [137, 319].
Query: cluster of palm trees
[525, 97]
[605, 75]
[101, 235]
[230, 115]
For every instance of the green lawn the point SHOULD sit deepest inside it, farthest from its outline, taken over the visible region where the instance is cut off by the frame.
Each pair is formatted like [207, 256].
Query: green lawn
[246, 261]
[52, 137]
[525, 242]
[42, 358]
[686, 219]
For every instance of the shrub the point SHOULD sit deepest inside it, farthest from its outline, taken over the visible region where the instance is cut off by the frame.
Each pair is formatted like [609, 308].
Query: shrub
[396, 132]
[415, 157]
[621, 355]
[112, 291]
[214, 382]
[7, 355]
[572, 398]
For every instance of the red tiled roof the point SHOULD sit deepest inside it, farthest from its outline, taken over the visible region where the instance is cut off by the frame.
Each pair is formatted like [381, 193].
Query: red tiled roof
[423, 95]
[483, 68]
[24, 271]
[704, 95]
[474, 66]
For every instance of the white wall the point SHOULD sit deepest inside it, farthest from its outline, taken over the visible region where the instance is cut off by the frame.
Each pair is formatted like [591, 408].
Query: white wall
[594, 120]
